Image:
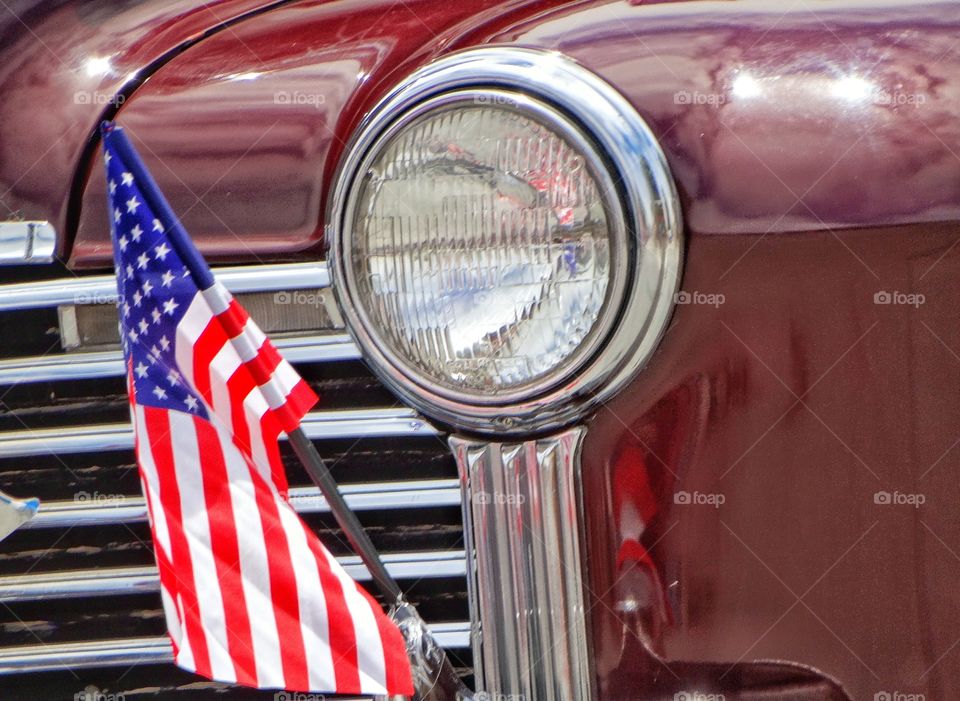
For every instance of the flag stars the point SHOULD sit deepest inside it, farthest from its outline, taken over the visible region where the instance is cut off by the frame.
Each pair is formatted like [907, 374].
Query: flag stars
[156, 315]
[144, 326]
[136, 232]
[116, 215]
[127, 178]
[166, 280]
[124, 242]
[129, 272]
[154, 351]
[137, 298]
[113, 186]
[161, 251]
[133, 335]
[164, 343]
[157, 226]
[126, 310]
[141, 370]
[170, 306]
[132, 204]
[147, 288]
[160, 392]
[173, 377]
[142, 261]
[191, 402]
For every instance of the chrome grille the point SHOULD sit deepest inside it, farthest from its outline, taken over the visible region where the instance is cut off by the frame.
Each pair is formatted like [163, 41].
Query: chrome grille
[78, 586]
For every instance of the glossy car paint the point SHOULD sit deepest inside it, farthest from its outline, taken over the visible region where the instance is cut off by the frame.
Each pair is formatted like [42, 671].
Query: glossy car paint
[815, 149]
[62, 64]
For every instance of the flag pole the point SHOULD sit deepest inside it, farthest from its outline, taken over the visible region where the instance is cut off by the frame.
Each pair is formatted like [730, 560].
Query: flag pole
[433, 674]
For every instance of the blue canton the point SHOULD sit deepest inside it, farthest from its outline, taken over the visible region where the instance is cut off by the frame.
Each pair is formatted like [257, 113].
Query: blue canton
[155, 289]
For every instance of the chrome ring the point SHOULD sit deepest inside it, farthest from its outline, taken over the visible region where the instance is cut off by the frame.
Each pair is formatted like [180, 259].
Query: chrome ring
[653, 221]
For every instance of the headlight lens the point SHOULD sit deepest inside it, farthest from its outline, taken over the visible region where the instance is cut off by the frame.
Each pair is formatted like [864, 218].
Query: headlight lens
[481, 235]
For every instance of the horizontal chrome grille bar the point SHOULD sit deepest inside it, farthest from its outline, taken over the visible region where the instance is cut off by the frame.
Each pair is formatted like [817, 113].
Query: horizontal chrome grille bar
[118, 581]
[101, 289]
[144, 651]
[86, 366]
[420, 494]
[351, 423]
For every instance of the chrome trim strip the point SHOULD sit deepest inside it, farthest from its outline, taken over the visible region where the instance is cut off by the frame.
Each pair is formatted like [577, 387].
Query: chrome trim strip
[373, 496]
[101, 289]
[649, 196]
[27, 242]
[143, 651]
[523, 516]
[86, 366]
[318, 425]
[119, 581]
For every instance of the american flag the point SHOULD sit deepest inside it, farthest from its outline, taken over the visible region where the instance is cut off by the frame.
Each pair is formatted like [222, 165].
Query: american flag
[250, 594]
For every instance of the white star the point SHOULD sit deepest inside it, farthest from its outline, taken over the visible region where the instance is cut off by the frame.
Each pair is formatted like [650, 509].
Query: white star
[154, 351]
[116, 215]
[160, 392]
[123, 243]
[113, 186]
[164, 343]
[147, 287]
[126, 309]
[173, 377]
[153, 361]
[157, 226]
[132, 205]
[107, 157]
[137, 298]
[156, 315]
[127, 178]
[133, 335]
[167, 279]
[169, 306]
[144, 326]
[136, 232]
[161, 251]
[142, 261]
[129, 272]
[141, 370]
[191, 402]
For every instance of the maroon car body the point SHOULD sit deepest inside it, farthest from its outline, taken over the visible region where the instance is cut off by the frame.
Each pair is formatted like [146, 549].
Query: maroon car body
[798, 396]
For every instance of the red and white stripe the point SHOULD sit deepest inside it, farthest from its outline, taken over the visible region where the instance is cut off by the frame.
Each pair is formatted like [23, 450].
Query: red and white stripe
[250, 594]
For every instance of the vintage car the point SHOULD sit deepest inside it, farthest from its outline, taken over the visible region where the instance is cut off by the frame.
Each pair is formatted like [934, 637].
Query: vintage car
[632, 322]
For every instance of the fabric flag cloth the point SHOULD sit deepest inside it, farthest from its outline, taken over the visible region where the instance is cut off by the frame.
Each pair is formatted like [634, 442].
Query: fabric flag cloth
[250, 594]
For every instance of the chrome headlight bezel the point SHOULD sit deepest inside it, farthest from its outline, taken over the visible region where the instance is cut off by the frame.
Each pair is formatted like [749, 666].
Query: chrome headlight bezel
[619, 147]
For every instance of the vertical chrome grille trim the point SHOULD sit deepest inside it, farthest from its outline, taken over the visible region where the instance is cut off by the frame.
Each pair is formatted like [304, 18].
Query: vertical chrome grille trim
[523, 516]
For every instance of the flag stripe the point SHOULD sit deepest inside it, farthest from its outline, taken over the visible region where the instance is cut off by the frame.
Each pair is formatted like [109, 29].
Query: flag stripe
[158, 433]
[226, 551]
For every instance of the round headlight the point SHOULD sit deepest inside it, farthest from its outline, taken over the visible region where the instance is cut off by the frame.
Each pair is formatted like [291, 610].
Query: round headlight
[505, 239]
[482, 225]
